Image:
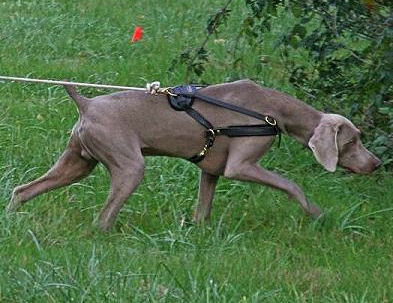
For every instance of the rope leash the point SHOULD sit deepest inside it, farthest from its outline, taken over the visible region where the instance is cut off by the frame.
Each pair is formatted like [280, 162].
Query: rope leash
[151, 88]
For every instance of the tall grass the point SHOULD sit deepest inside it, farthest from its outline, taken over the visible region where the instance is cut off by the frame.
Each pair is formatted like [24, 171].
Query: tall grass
[258, 246]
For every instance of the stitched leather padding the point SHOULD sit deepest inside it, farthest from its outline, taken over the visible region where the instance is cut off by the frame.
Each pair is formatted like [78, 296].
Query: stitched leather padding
[181, 102]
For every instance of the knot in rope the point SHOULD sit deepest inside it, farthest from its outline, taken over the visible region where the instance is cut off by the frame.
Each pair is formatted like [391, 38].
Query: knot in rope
[155, 89]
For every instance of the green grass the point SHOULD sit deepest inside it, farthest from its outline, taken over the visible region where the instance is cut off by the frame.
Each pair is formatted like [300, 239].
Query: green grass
[258, 246]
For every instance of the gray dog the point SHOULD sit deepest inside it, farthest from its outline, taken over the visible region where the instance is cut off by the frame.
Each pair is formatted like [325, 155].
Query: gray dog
[120, 128]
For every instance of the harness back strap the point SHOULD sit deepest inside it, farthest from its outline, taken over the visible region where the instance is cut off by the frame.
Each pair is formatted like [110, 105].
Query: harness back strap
[229, 106]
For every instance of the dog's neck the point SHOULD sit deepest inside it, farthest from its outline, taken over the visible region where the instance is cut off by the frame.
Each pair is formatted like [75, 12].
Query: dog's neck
[302, 129]
[294, 117]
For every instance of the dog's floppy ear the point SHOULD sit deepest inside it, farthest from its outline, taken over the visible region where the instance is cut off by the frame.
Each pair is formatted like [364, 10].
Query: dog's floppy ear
[323, 144]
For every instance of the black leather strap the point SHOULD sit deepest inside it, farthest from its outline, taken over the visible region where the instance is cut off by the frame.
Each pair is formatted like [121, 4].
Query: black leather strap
[196, 158]
[183, 100]
[199, 118]
[248, 130]
[229, 106]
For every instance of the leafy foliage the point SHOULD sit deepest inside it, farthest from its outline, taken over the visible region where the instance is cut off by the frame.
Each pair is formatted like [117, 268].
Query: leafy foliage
[195, 59]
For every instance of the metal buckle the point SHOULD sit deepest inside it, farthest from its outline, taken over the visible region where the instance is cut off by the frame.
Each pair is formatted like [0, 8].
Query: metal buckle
[167, 91]
[211, 132]
[210, 136]
[204, 151]
[271, 121]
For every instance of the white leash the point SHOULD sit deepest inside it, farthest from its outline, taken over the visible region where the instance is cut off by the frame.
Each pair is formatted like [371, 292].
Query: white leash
[152, 88]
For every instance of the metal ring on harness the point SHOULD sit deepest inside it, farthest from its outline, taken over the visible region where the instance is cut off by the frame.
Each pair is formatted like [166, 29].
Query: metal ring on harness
[212, 132]
[271, 121]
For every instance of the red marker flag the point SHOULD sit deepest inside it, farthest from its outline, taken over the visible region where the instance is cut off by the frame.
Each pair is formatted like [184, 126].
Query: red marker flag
[137, 35]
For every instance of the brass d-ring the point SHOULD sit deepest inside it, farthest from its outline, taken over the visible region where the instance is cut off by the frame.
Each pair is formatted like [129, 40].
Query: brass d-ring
[166, 91]
[211, 132]
[271, 120]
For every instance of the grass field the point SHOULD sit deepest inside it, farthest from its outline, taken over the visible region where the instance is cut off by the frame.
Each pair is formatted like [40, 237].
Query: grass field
[258, 247]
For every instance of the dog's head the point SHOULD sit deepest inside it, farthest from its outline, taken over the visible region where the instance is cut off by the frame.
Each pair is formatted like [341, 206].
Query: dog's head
[336, 141]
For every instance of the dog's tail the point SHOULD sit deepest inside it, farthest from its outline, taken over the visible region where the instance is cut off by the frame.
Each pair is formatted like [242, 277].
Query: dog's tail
[81, 101]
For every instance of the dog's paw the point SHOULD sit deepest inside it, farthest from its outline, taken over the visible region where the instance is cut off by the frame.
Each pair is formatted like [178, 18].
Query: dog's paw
[314, 212]
[198, 219]
[14, 204]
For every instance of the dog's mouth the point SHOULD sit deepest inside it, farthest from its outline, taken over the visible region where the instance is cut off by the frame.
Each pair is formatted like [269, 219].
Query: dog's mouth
[348, 169]
[360, 172]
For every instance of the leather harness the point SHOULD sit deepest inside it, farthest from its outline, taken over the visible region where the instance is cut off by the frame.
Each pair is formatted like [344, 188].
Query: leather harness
[181, 98]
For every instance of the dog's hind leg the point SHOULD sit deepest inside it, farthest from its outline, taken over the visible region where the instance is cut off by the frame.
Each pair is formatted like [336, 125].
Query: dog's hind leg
[207, 186]
[126, 174]
[70, 168]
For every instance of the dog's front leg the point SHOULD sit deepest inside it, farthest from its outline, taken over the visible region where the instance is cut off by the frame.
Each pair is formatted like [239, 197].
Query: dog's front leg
[207, 186]
[246, 171]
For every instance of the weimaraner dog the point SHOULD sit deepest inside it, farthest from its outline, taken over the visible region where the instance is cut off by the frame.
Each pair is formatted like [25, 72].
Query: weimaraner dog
[121, 128]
